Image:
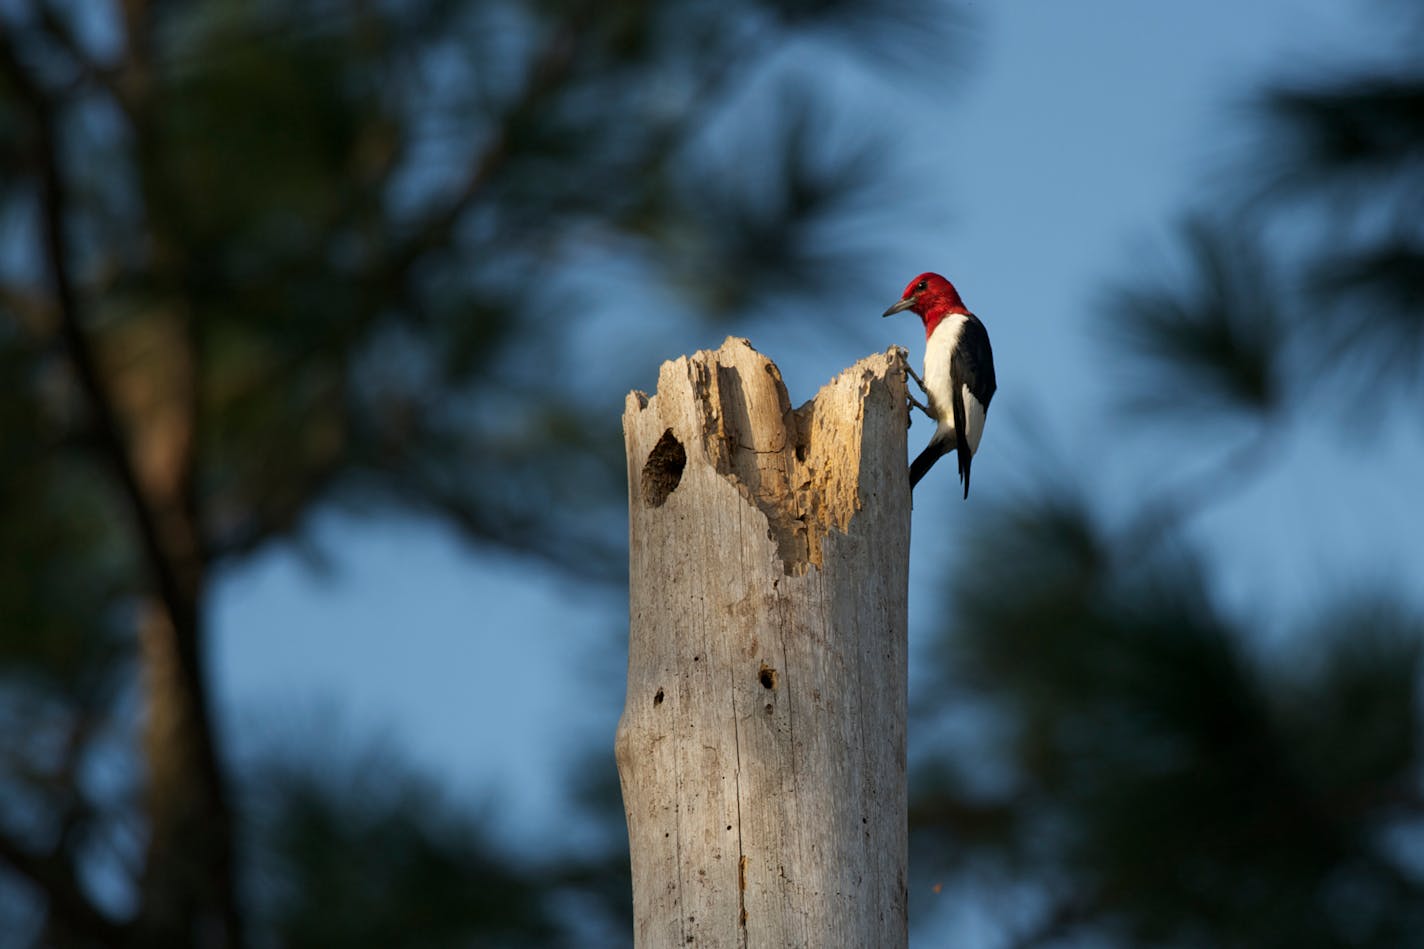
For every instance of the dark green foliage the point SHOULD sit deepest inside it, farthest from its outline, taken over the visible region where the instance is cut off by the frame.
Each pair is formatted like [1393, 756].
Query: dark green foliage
[1188, 787]
[1347, 134]
[355, 850]
[64, 575]
[362, 854]
[1348, 158]
[1371, 300]
[1213, 342]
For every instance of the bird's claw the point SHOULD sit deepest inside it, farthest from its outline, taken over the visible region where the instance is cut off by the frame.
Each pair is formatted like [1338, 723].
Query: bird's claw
[919, 405]
[912, 401]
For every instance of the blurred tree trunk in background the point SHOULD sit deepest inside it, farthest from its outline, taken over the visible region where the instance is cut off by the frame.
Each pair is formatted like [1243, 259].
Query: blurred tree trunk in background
[189, 892]
[762, 745]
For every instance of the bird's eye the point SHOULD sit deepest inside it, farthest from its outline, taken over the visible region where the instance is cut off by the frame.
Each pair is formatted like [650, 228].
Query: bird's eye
[921, 285]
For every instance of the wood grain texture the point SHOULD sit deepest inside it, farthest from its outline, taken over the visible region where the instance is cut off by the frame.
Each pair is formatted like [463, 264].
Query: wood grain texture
[762, 745]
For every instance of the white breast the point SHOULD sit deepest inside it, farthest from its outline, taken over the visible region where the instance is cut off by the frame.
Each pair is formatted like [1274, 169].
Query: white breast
[939, 355]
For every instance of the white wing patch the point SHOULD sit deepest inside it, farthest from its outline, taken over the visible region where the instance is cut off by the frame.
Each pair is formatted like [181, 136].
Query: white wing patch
[973, 420]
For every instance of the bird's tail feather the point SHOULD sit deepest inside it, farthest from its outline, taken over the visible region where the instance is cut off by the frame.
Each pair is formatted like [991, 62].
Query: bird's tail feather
[932, 453]
[925, 461]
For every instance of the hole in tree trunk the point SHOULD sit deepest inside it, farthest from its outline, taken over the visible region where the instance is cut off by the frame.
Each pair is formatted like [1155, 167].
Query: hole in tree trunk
[767, 677]
[663, 470]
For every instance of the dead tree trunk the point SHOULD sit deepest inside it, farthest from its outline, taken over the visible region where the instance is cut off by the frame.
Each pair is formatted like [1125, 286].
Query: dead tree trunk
[762, 745]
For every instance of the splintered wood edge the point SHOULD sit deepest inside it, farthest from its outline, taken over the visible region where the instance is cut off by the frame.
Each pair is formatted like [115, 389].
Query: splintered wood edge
[803, 469]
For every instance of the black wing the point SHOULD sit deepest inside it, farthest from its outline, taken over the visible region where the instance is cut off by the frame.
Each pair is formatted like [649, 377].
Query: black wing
[972, 367]
[961, 440]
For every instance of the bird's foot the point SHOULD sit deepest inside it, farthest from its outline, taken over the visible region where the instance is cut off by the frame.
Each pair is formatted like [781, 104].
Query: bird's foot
[919, 405]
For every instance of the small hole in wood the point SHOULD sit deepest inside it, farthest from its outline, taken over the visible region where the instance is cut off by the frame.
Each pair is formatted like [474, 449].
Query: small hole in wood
[767, 677]
[658, 698]
[663, 470]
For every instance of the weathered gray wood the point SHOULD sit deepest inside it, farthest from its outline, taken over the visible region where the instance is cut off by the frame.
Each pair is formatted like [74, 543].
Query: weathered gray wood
[762, 744]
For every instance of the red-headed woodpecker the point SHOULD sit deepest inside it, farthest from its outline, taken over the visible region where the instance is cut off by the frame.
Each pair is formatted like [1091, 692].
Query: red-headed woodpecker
[959, 372]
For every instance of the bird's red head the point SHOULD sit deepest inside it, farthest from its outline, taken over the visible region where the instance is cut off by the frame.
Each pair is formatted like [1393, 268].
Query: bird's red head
[931, 297]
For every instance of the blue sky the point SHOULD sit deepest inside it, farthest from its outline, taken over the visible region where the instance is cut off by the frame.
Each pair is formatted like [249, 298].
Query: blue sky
[1055, 161]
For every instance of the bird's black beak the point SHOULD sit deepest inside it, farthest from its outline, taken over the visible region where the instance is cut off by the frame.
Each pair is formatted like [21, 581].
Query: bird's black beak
[904, 304]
